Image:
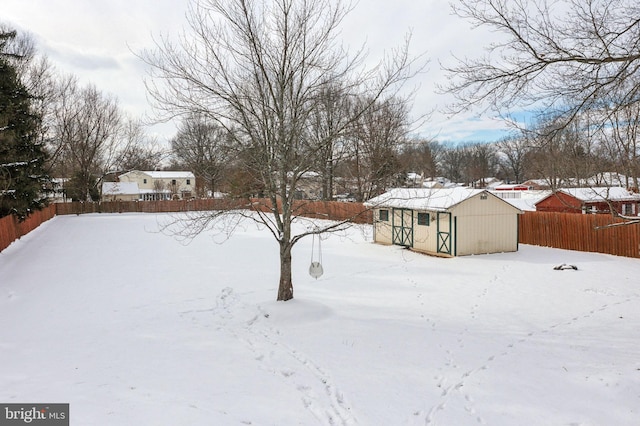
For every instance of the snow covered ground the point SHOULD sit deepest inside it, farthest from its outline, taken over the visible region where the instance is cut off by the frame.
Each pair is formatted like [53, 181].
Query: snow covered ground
[131, 327]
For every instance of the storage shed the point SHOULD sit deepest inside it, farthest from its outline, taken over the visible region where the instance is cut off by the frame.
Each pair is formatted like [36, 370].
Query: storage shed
[445, 222]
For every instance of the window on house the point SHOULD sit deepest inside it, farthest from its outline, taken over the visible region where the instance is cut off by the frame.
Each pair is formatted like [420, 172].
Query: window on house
[188, 181]
[144, 181]
[384, 215]
[423, 219]
[173, 181]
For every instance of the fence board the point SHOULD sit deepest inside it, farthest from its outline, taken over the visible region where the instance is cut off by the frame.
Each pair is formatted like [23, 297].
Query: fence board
[11, 229]
[573, 231]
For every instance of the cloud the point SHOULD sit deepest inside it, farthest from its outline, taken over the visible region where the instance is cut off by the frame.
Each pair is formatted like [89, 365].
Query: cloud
[81, 60]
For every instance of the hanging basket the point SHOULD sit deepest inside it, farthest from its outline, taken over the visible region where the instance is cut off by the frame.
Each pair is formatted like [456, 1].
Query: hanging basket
[315, 270]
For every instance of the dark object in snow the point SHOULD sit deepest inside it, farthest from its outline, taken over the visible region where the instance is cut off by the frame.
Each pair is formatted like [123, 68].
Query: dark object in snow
[565, 266]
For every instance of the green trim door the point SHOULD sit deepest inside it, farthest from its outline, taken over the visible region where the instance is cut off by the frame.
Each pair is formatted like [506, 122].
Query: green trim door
[402, 227]
[443, 220]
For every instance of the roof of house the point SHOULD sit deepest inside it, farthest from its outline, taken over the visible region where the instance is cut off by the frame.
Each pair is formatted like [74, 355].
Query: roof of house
[120, 188]
[608, 179]
[423, 198]
[511, 186]
[165, 174]
[601, 194]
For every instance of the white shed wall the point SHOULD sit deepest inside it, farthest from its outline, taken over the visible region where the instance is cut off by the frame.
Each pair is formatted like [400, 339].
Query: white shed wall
[485, 225]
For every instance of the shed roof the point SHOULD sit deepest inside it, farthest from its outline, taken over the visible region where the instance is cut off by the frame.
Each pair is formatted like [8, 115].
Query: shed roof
[423, 198]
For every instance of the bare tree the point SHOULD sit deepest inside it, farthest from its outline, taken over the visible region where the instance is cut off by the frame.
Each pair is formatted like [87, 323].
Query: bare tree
[561, 154]
[620, 140]
[375, 142]
[566, 56]
[137, 151]
[258, 68]
[481, 163]
[202, 146]
[327, 120]
[86, 127]
[452, 163]
[512, 157]
[421, 156]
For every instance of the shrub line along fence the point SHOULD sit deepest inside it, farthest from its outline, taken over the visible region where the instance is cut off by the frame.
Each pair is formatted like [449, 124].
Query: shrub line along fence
[560, 230]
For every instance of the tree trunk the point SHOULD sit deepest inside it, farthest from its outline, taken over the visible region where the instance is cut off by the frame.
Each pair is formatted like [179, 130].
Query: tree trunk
[285, 288]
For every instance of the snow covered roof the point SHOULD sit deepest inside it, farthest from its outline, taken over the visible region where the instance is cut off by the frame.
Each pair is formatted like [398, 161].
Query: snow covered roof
[120, 188]
[165, 174]
[601, 194]
[423, 198]
[170, 175]
[511, 187]
[608, 179]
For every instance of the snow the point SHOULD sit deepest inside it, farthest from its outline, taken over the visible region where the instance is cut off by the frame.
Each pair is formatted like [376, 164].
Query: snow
[130, 326]
[601, 194]
[423, 198]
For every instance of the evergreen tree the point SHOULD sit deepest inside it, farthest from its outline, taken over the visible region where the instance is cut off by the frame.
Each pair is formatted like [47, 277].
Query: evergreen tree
[22, 175]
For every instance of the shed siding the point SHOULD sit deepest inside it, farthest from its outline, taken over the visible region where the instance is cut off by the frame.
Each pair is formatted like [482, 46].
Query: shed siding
[485, 226]
[487, 234]
[382, 229]
[425, 237]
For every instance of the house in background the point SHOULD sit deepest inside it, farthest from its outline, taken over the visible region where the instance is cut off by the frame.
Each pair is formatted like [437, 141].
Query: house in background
[445, 222]
[120, 191]
[161, 185]
[523, 199]
[610, 179]
[591, 200]
[537, 184]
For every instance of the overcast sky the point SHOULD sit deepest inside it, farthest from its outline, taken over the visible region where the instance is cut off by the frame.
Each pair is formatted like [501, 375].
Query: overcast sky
[95, 41]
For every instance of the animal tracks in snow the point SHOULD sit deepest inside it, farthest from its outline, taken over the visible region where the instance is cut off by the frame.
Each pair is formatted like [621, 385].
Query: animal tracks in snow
[248, 324]
[453, 387]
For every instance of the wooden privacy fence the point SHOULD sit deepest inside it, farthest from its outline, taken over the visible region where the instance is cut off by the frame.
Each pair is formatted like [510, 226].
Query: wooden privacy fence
[332, 210]
[560, 230]
[11, 229]
[169, 206]
[573, 231]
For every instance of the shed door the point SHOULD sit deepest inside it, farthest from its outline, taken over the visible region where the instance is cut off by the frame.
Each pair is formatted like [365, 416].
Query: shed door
[402, 227]
[444, 232]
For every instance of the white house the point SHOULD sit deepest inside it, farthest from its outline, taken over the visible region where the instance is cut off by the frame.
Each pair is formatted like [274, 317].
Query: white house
[445, 222]
[161, 185]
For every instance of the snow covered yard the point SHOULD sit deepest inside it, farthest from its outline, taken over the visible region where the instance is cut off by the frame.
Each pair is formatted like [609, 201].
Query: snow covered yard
[133, 328]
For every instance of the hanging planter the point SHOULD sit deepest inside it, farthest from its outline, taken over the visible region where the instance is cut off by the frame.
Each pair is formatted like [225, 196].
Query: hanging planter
[315, 269]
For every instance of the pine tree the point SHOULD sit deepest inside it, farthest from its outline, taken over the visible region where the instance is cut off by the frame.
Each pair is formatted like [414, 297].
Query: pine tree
[22, 175]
